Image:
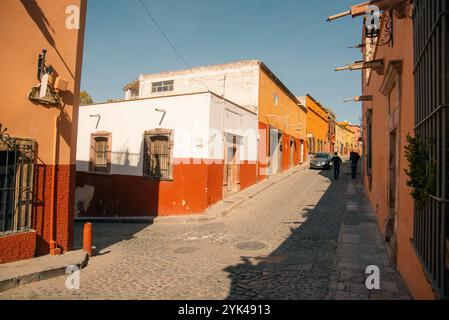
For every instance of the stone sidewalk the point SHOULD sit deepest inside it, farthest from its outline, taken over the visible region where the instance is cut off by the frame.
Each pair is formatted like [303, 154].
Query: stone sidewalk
[20, 273]
[360, 245]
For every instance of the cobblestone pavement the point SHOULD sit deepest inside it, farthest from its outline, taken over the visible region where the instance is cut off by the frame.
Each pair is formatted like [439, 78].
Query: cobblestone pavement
[307, 237]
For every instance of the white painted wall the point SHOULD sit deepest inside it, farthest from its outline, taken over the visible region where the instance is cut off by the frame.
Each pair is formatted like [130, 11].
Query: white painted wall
[240, 86]
[237, 122]
[195, 119]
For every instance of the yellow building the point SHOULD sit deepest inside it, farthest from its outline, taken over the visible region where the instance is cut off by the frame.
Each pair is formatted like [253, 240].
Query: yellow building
[317, 125]
[344, 138]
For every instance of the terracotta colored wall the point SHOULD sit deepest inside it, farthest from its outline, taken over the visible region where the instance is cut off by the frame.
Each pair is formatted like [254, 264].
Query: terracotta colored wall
[408, 263]
[214, 183]
[27, 27]
[130, 196]
[285, 152]
[194, 188]
[248, 174]
[17, 247]
[297, 154]
[64, 209]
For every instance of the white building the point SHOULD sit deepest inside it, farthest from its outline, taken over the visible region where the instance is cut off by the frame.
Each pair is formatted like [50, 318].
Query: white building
[238, 82]
[163, 155]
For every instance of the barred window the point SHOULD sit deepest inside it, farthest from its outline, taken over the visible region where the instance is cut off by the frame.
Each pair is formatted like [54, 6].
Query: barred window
[100, 152]
[158, 154]
[162, 86]
[16, 184]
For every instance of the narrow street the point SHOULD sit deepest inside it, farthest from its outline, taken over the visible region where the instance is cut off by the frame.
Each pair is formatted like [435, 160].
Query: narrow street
[307, 237]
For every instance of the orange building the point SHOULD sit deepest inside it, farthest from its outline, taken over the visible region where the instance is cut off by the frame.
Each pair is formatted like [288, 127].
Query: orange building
[358, 141]
[415, 230]
[41, 50]
[283, 118]
[317, 125]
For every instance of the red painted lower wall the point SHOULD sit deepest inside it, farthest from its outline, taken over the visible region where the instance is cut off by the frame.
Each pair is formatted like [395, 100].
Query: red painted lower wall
[36, 243]
[195, 187]
[214, 184]
[63, 206]
[17, 247]
[248, 174]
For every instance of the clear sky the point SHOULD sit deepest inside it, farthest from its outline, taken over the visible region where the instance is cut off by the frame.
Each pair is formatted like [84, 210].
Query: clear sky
[292, 37]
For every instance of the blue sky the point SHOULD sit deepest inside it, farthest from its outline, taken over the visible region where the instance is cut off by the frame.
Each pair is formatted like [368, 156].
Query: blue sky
[291, 36]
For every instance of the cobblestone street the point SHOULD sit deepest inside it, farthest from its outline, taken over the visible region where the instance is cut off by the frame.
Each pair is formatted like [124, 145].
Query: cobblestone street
[306, 237]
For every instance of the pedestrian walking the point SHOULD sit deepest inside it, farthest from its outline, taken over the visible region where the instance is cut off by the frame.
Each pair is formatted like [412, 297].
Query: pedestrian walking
[354, 158]
[336, 160]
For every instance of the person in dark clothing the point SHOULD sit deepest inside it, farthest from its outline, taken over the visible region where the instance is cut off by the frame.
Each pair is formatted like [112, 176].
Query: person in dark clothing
[354, 158]
[336, 160]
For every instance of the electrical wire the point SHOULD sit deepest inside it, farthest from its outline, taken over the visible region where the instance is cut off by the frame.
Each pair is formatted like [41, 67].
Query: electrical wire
[148, 12]
[163, 33]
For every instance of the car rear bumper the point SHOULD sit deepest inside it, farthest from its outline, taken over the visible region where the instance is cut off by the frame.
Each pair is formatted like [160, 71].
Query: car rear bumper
[320, 166]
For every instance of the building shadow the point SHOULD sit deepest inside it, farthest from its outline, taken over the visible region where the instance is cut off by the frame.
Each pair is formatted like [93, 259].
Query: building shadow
[300, 268]
[121, 204]
[37, 14]
[106, 234]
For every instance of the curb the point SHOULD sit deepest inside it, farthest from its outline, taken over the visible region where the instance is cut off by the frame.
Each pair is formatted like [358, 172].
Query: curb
[21, 280]
[131, 220]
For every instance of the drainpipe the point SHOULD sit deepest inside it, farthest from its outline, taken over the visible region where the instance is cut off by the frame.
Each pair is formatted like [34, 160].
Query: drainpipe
[54, 250]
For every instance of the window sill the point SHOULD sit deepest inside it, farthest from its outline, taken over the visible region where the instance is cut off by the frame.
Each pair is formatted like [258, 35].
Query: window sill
[158, 180]
[15, 233]
[100, 173]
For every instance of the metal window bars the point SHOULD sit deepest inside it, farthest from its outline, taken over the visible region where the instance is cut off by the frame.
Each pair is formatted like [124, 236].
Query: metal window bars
[431, 72]
[16, 184]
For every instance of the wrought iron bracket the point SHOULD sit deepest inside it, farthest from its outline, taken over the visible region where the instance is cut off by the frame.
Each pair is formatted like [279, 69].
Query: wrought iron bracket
[386, 37]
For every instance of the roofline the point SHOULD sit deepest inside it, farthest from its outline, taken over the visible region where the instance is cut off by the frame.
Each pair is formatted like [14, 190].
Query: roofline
[170, 96]
[192, 69]
[316, 102]
[130, 84]
[280, 83]
[260, 63]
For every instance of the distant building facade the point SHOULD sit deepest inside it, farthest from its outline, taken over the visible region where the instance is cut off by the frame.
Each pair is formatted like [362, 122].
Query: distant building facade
[317, 125]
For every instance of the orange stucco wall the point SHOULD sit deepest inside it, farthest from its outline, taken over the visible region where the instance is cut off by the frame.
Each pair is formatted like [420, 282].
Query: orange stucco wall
[282, 113]
[286, 116]
[17, 247]
[407, 262]
[317, 123]
[27, 27]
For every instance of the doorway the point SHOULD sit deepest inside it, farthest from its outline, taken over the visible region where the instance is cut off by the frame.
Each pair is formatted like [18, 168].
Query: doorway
[231, 176]
[301, 160]
[292, 153]
[275, 151]
[391, 236]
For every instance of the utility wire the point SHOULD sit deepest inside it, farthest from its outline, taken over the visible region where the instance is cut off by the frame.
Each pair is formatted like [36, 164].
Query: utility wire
[163, 33]
[168, 40]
